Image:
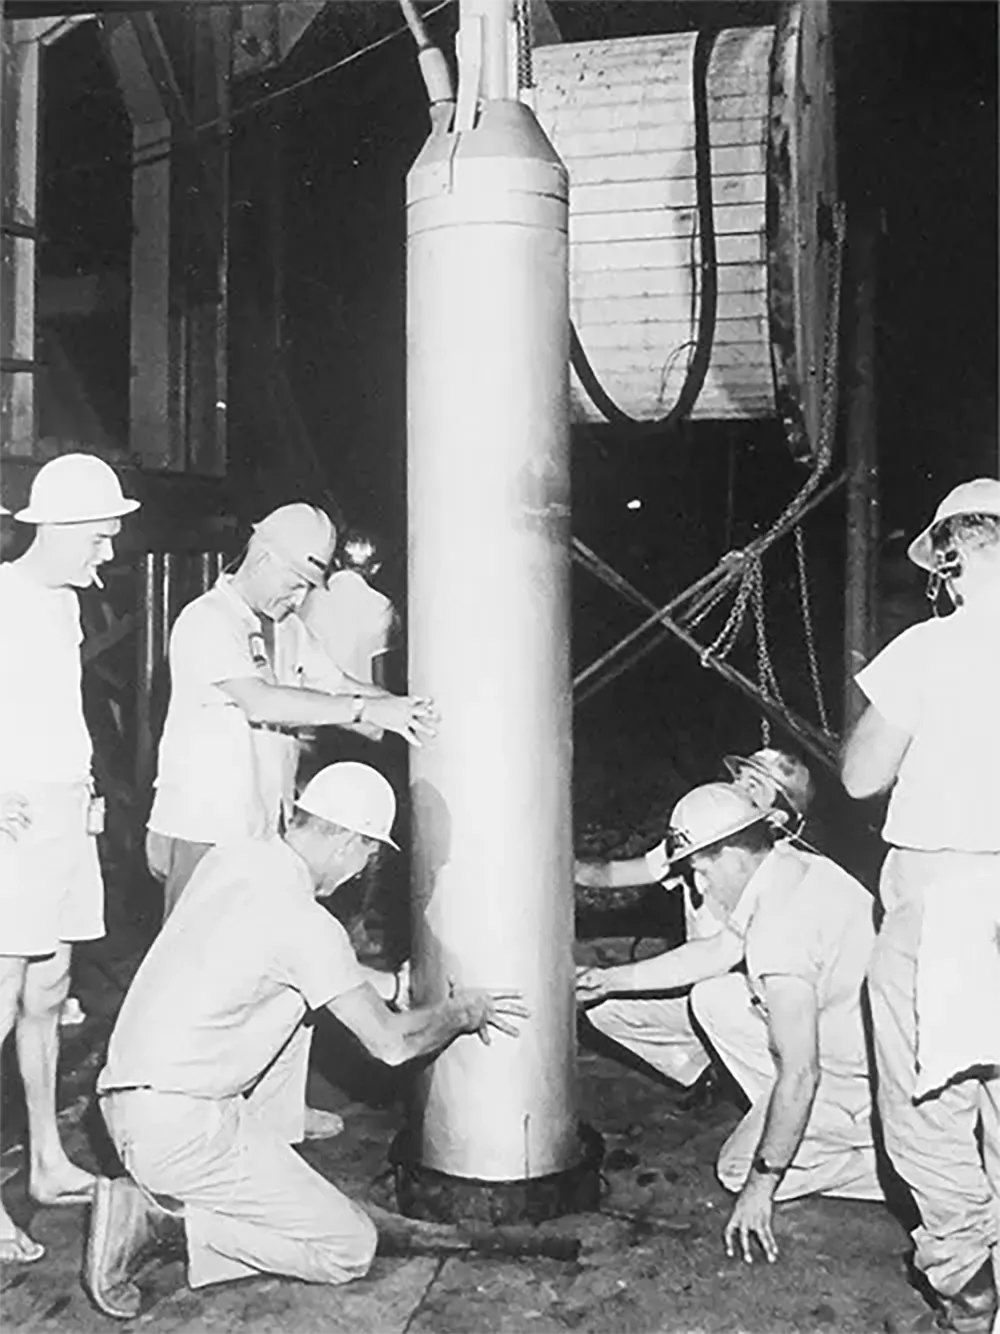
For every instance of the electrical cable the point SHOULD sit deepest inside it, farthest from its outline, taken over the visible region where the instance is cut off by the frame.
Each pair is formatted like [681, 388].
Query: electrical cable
[697, 369]
[223, 123]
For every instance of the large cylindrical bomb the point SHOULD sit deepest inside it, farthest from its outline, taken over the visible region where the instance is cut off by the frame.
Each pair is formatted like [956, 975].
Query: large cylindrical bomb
[489, 637]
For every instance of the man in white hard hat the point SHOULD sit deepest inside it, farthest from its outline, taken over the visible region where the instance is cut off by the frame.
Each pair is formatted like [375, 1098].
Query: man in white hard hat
[245, 675]
[51, 891]
[199, 1087]
[350, 617]
[931, 736]
[775, 780]
[659, 1029]
[789, 1029]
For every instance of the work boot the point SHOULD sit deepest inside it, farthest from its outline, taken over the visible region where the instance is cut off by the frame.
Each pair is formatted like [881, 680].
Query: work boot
[973, 1308]
[126, 1229]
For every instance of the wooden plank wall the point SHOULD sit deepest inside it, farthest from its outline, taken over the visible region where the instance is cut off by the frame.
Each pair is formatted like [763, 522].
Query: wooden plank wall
[620, 113]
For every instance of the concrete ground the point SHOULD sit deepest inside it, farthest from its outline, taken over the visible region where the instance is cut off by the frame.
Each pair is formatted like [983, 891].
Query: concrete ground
[650, 1260]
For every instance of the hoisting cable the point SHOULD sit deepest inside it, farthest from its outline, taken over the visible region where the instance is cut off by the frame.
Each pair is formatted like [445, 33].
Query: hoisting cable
[697, 370]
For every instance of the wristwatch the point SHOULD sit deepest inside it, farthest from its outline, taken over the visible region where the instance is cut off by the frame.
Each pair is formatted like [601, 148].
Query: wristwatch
[765, 1169]
[359, 708]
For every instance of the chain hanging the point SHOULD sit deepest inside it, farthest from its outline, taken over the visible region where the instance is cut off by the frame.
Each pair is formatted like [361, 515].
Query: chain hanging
[807, 627]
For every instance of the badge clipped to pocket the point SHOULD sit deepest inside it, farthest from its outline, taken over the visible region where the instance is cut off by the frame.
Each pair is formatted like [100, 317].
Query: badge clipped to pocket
[95, 815]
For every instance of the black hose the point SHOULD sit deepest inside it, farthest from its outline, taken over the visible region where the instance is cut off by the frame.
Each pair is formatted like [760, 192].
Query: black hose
[709, 270]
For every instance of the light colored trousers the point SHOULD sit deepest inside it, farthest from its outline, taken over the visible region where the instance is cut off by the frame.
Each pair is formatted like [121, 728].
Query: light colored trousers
[658, 1029]
[836, 1155]
[932, 1143]
[251, 1204]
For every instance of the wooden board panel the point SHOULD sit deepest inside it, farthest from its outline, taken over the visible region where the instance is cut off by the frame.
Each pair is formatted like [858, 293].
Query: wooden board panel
[621, 115]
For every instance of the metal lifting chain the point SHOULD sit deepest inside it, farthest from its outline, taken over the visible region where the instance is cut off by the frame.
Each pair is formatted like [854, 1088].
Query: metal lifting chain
[522, 21]
[751, 584]
[807, 626]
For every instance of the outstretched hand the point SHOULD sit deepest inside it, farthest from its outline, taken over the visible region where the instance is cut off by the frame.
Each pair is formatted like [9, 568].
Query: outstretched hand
[410, 716]
[592, 985]
[492, 1009]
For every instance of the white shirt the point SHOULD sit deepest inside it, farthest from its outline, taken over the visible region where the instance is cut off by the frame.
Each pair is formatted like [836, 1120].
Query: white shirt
[220, 778]
[43, 735]
[241, 959]
[802, 915]
[940, 682]
[351, 620]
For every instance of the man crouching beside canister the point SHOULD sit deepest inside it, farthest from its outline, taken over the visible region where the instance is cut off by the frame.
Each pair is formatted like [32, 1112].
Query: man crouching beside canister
[202, 1082]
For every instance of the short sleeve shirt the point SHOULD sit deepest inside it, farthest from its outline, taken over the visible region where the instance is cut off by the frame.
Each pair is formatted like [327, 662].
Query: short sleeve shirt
[803, 916]
[246, 953]
[940, 682]
[351, 620]
[43, 734]
[219, 777]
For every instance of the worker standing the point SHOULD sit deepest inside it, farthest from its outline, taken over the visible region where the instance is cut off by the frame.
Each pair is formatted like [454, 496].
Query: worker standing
[245, 674]
[51, 890]
[350, 617]
[931, 736]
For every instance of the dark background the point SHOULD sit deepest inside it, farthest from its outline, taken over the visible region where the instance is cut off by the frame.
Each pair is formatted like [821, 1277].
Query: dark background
[318, 181]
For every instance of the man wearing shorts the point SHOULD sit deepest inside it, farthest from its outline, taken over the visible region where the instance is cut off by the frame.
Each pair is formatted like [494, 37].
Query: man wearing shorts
[51, 892]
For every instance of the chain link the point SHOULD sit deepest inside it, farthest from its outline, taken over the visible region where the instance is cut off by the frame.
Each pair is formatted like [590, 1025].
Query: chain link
[807, 626]
[751, 584]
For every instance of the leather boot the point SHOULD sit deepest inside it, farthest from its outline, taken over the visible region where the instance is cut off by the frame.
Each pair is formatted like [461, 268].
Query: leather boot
[126, 1229]
[973, 1308]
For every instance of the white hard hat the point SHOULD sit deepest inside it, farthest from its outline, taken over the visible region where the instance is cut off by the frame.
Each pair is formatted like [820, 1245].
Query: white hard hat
[707, 815]
[75, 488]
[352, 795]
[981, 496]
[788, 774]
[301, 535]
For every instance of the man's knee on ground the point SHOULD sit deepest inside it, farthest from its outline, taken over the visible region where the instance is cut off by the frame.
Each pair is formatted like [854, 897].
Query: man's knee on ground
[349, 1257]
[732, 1170]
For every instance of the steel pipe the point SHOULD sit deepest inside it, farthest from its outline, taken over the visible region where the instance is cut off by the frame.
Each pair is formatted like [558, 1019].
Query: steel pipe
[489, 637]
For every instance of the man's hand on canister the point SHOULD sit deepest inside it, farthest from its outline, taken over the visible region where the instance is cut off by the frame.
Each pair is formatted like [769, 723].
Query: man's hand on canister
[751, 1217]
[411, 716]
[593, 984]
[484, 1010]
[15, 814]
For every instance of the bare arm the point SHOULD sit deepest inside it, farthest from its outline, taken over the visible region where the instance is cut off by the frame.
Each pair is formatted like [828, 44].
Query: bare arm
[295, 706]
[680, 967]
[794, 1042]
[614, 874]
[397, 1038]
[872, 754]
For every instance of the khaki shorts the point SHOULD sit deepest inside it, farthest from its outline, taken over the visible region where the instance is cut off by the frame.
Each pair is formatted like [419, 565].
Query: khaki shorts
[51, 889]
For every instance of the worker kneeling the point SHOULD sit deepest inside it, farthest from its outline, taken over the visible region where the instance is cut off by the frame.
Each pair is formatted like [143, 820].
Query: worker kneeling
[203, 1082]
[789, 1029]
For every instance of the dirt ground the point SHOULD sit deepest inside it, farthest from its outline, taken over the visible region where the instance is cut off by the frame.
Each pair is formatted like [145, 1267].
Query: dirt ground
[650, 1261]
